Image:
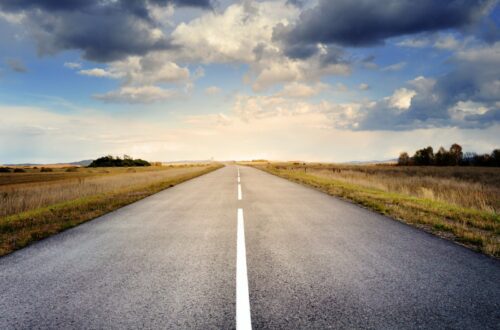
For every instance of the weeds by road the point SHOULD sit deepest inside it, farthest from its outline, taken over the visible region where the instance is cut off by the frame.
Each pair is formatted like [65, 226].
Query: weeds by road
[30, 212]
[458, 204]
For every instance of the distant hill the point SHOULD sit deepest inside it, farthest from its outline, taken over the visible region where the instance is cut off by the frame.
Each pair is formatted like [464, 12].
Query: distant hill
[85, 162]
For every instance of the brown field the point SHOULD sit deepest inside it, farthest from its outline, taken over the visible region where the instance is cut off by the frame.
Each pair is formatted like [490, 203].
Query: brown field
[35, 204]
[474, 187]
[458, 203]
[55, 173]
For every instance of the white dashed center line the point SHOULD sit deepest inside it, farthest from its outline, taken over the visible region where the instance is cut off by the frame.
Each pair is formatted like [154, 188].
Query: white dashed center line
[243, 319]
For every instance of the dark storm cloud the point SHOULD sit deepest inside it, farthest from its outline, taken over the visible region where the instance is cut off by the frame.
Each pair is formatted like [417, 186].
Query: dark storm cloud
[103, 30]
[467, 97]
[190, 3]
[297, 3]
[370, 22]
[301, 51]
[84, 4]
[11, 5]
[102, 37]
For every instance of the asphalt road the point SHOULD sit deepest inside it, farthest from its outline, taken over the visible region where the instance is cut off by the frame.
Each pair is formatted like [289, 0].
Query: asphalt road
[313, 261]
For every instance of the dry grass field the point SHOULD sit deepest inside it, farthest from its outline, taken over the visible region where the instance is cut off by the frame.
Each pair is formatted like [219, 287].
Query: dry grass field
[55, 173]
[36, 204]
[458, 203]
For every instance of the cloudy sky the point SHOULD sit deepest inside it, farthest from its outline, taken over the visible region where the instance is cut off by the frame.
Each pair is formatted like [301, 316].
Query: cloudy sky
[317, 80]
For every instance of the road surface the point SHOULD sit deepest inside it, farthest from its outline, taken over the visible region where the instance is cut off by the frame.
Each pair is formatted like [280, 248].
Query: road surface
[215, 253]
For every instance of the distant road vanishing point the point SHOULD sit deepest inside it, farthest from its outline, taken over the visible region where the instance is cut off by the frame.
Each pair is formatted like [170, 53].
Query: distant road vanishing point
[240, 248]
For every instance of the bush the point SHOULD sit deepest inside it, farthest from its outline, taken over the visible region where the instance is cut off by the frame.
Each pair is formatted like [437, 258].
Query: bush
[45, 169]
[424, 156]
[19, 170]
[110, 161]
[72, 169]
[404, 159]
[4, 170]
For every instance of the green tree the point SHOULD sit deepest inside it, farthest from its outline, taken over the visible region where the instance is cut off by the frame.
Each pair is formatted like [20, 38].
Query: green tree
[404, 159]
[456, 154]
[495, 155]
[424, 156]
[442, 157]
[110, 161]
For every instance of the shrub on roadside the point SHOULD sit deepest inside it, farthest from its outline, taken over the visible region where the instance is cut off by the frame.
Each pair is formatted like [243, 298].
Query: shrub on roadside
[110, 161]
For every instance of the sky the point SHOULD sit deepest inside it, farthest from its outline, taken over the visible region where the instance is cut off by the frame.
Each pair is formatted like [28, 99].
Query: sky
[311, 80]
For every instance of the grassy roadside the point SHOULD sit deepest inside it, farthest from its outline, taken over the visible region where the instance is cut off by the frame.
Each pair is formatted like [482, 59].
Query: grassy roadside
[476, 229]
[19, 230]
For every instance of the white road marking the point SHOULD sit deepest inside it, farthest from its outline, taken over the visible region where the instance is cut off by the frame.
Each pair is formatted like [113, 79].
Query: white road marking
[238, 172]
[238, 179]
[243, 319]
[239, 192]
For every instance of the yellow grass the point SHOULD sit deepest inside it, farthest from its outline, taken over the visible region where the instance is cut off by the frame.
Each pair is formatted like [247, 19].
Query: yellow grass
[451, 190]
[30, 212]
[461, 204]
[18, 198]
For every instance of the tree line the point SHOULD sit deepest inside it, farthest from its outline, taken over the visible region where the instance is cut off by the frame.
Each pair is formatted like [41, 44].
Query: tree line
[110, 161]
[452, 157]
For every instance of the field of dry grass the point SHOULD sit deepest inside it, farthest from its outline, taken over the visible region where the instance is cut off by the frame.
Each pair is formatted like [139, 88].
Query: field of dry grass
[57, 200]
[458, 203]
[55, 173]
[477, 188]
[21, 197]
